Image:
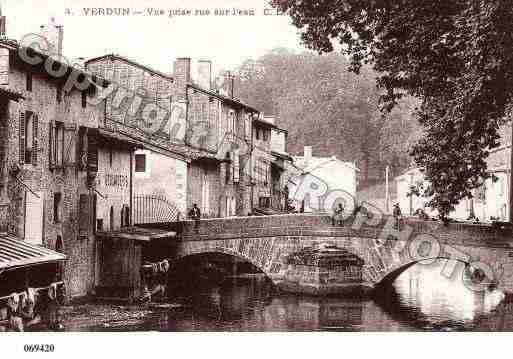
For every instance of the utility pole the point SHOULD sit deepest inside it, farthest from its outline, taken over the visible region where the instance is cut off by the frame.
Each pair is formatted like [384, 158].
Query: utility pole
[508, 174]
[387, 193]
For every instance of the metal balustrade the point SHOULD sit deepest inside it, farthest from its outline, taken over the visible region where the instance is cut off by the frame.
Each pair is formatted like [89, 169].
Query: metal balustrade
[154, 209]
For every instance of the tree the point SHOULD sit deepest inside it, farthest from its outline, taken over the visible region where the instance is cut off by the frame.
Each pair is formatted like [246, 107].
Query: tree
[455, 56]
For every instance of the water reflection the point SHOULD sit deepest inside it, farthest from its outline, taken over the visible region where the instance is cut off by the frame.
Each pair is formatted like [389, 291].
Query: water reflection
[426, 298]
[420, 299]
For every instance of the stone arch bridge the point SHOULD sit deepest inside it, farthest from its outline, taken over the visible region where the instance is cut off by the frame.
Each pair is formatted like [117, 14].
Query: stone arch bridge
[269, 243]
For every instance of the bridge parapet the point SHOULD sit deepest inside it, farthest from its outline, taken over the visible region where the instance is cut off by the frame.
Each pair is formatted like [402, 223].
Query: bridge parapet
[320, 225]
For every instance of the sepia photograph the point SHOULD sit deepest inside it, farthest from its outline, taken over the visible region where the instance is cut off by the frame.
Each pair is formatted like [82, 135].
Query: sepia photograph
[270, 166]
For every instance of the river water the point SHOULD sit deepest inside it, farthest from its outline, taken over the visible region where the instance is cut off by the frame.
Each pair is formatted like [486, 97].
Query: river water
[421, 298]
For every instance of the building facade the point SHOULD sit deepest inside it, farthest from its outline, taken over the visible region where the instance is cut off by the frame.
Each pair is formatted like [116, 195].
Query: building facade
[46, 181]
[203, 145]
[317, 183]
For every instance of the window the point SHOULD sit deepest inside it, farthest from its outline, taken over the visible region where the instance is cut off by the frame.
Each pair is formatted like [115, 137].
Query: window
[111, 218]
[28, 81]
[111, 154]
[57, 196]
[236, 166]
[228, 168]
[140, 162]
[257, 134]
[204, 116]
[84, 99]
[59, 93]
[265, 135]
[28, 137]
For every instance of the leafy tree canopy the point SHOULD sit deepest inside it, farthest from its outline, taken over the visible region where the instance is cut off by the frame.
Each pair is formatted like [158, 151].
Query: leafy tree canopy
[455, 56]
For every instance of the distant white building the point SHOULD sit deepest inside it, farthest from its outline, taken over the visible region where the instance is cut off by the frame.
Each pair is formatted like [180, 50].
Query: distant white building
[328, 178]
[489, 202]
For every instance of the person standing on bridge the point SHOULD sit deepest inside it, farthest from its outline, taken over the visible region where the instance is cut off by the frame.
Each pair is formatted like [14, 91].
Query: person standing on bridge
[195, 214]
[338, 216]
[396, 212]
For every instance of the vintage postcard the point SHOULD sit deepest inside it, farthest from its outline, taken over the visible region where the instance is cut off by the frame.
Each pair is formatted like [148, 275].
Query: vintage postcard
[254, 166]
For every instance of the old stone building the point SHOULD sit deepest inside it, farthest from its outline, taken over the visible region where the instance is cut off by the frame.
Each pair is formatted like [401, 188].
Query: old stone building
[199, 152]
[45, 174]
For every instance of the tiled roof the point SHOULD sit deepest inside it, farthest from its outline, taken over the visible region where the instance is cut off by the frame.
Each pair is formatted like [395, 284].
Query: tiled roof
[130, 61]
[226, 99]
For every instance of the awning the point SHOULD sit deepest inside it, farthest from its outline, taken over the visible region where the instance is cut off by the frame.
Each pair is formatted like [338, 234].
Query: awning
[111, 138]
[17, 253]
[137, 234]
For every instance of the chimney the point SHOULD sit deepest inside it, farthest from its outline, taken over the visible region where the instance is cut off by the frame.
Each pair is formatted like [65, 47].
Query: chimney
[228, 83]
[307, 155]
[2, 24]
[53, 34]
[205, 74]
[182, 74]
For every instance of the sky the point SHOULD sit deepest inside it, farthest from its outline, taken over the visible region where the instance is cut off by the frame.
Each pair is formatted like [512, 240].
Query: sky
[156, 41]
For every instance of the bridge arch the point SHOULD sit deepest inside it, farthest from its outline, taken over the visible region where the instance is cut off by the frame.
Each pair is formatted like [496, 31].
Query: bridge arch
[225, 252]
[391, 275]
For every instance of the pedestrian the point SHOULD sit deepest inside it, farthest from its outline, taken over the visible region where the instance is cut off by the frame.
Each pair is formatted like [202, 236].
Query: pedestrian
[338, 216]
[195, 214]
[397, 215]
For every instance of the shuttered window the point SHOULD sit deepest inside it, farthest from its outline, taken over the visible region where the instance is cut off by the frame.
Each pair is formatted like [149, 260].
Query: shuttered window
[22, 137]
[35, 129]
[92, 153]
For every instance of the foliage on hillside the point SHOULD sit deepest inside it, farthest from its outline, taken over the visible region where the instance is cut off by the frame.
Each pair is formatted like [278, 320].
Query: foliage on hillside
[324, 105]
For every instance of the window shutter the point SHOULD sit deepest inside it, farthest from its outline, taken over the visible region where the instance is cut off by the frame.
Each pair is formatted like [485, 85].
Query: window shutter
[22, 137]
[82, 148]
[83, 215]
[92, 153]
[70, 149]
[51, 144]
[35, 127]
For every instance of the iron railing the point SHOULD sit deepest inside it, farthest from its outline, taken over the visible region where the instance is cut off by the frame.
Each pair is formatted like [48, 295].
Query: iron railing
[4, 218]
[154, 209]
